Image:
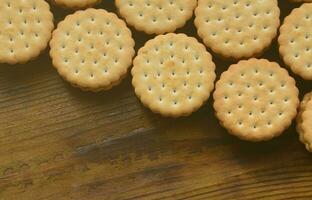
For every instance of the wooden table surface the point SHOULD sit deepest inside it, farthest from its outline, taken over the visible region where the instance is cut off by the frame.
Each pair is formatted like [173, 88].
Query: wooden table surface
[59, 143]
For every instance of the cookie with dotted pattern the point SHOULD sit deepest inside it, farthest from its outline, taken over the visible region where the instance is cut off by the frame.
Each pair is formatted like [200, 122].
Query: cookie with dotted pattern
[304, 121]
[76, 4]
[256, 100]
[92, 49]
[237, 28]
[295, 41]
[156, 16]
[25, 31]
[173, 75]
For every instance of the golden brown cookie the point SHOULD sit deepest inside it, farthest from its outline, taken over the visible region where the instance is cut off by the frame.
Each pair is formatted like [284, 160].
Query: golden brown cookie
[173, 75]
[156, 16]
[25, 29]
[295, 41]
[256, 100]
[304, 121]
[237, 29]
[92, 49]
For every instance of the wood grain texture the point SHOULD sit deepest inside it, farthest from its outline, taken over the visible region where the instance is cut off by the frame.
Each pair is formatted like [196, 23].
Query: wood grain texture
[59, 143]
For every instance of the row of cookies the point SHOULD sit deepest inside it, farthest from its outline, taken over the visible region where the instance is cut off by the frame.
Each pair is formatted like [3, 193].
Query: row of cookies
[81, 4]
[174, 74]
[233, 29]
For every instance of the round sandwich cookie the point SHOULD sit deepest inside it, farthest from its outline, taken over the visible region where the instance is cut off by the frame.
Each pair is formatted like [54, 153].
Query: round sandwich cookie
[173, 75]
[295, 41]
[76, 4]
[25, 31]
[256, 100]
[237, 29]
[156, 16]
[92, 49]
[304, 121]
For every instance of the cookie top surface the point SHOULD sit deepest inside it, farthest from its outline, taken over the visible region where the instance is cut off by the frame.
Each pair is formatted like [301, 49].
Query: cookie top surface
[156, 16]
[237, 28]
[295, 41]
[92, 48]
[256, 99]
[76, 4]
[26, 27]
[173, 74]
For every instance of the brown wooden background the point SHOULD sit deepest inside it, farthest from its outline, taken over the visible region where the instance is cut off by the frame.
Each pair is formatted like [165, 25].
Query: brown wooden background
[59, 143]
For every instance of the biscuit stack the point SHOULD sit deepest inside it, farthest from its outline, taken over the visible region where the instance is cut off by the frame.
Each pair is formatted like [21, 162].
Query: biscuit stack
[174, 74]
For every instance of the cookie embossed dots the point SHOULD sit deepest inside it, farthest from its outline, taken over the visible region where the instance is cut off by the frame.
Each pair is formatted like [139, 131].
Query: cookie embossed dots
[156, 16]
[26, 28]
[76, 4]
[256, 100]
[92, 49]
[295, 41]
[304, 121]
[173, 75]
[237, 28]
